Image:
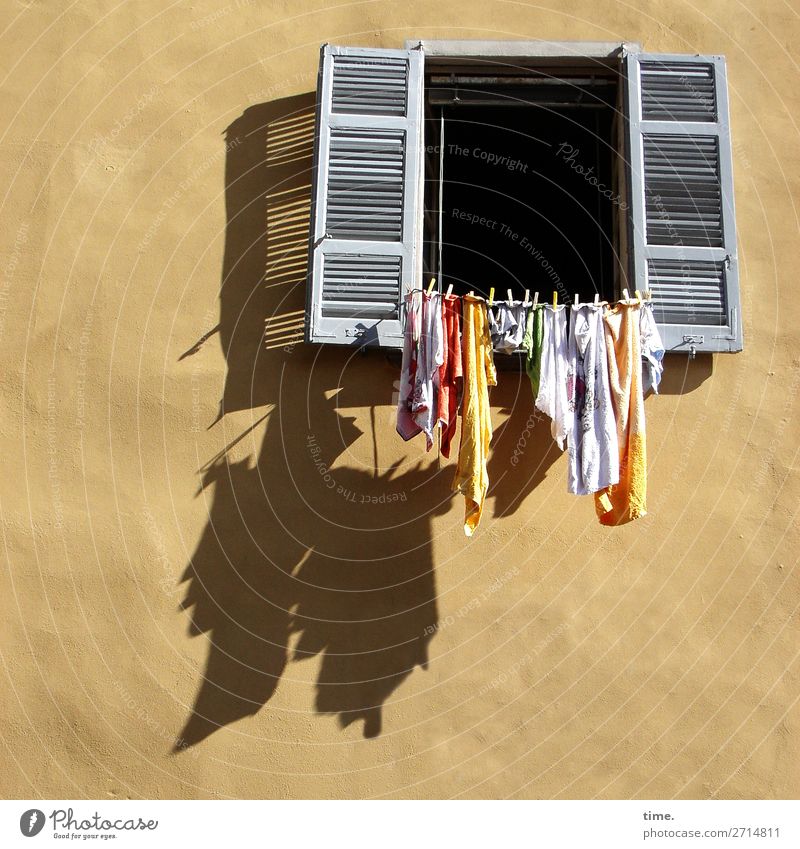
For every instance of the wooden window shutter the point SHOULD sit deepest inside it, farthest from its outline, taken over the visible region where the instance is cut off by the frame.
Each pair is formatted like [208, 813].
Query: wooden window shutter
[683, 230]
[366, 221]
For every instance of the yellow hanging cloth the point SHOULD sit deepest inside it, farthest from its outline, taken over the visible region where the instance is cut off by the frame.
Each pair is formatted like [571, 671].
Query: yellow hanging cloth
[626, 500]
[472, 478]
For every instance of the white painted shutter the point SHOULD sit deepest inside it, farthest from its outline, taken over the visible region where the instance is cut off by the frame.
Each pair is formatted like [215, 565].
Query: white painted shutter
[366, 222]
[682, 214]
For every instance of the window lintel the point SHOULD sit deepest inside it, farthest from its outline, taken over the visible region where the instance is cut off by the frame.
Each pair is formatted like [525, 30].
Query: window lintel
[540, 51]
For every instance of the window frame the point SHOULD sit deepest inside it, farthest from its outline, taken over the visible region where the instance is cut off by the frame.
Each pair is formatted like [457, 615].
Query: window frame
[623, 58]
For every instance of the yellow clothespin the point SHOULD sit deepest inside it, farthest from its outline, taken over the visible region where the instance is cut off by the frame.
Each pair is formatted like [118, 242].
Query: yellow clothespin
[450, 289]
[555, 299]
[638, 296]
[625, 296]
[431, 285]
[491, 295]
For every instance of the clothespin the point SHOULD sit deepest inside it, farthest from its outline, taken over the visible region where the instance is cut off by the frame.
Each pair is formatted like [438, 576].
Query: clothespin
[491, 296]
[638, 296]
[471, 293]
[527, 297]
[577, 300]
[597, 297]
[450, 289]
[555, 299]
[535, 298]
[648, 295]
[510, 296]
[625, 296]
[431, 285]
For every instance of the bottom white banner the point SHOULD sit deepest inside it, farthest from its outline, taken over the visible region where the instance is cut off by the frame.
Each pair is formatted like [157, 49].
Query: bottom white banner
[400, 824]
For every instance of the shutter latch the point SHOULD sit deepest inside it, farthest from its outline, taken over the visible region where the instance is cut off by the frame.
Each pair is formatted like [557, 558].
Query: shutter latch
[693, 340]
[321, 240]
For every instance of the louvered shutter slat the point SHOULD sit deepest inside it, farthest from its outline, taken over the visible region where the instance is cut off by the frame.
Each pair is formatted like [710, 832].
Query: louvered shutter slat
[682, 217]
[677, 91]
[361, 286]
[687, 292]
[376, 84]
[366, 226]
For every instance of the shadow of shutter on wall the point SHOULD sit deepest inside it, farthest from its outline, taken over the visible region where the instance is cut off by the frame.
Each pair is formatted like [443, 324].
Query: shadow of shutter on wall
[366, 221]
[682, 214]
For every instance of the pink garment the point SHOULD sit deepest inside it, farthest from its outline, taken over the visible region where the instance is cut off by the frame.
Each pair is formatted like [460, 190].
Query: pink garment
[407, 427]
[450, 372]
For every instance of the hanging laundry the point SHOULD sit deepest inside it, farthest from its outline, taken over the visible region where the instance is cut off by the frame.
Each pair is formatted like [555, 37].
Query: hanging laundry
[532, 345]
[430, 355]
[407, 427]
[450, 372]
[507, 325]
[593, 445]
[552, 396]
[472, 478]
[626, 500]
[652, 349]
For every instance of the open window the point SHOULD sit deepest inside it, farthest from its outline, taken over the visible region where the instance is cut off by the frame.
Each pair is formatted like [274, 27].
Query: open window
[578, 168]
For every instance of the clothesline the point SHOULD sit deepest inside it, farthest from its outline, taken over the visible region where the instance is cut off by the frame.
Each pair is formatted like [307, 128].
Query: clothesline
[588, 375]
[640, 297]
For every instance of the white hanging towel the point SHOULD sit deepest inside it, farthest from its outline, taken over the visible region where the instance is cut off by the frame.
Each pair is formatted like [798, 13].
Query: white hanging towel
[552, 397]
[425, 401]
[593, 445]
[652, 349]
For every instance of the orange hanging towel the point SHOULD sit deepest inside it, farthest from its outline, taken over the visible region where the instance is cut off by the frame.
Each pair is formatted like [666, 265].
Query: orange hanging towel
[472, 478]
[626, 500]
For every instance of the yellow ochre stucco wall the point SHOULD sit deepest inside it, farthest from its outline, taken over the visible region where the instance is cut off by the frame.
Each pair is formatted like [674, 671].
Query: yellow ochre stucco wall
[190, 610]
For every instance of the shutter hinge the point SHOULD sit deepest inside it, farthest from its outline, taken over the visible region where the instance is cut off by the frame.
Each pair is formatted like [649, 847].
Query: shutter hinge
[321, 240]
[730, 337]
[727, 261]
[355, 332]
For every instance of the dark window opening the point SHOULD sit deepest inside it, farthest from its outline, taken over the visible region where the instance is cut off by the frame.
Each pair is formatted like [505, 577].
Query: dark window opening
[529, 198]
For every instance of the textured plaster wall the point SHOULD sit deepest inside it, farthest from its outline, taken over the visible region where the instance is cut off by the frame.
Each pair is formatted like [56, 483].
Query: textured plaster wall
[188, 608]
